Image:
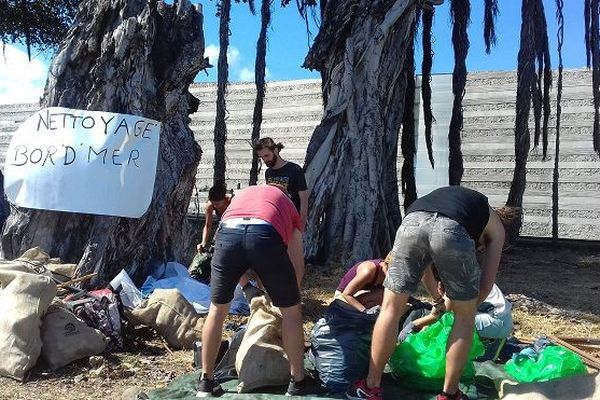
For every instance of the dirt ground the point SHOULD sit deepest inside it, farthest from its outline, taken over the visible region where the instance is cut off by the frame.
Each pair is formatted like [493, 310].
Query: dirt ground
[554, 291]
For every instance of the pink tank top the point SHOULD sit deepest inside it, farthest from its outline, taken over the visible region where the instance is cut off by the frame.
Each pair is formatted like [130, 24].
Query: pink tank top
[269, 204]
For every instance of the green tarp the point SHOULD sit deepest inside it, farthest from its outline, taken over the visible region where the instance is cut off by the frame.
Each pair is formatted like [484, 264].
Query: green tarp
[487, 376]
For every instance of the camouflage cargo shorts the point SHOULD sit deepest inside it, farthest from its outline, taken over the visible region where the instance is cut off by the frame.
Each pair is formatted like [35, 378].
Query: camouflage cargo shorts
[425, 238]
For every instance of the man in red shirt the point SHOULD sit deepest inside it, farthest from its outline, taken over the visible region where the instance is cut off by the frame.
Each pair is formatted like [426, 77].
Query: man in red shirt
[255, 230]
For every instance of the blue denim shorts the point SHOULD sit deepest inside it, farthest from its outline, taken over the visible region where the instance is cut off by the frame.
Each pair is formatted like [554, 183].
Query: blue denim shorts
[425, 238]
[257, 247]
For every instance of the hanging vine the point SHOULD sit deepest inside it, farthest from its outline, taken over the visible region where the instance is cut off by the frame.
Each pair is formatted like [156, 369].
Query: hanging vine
[489, 24]
[428, 118]
[533, 47]
[460, 11]
[592, 42]
[409, 150]
[559, 87]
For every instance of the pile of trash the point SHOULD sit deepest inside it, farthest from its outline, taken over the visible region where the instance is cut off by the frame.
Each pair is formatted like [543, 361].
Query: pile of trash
[46, 316]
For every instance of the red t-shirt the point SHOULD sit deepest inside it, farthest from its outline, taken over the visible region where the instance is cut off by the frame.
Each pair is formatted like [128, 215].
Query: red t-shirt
[269, 204]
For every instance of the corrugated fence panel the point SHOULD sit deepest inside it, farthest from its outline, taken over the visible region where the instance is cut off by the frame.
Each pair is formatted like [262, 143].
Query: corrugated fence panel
[293, 109]
[488, 151]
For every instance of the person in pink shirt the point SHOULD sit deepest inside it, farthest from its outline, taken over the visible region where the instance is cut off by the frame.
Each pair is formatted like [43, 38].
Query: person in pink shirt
[255, 231]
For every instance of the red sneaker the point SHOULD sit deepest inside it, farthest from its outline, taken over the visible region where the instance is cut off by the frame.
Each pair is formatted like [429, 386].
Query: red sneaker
[456, 396]
[359, 390]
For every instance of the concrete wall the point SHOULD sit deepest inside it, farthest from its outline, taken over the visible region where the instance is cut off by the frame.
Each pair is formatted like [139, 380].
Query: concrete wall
[488, 147]
[293, 109]
[427, 177]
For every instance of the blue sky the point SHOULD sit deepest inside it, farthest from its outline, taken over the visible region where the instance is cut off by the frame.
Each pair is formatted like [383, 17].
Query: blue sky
[288, 42]
[22, 81]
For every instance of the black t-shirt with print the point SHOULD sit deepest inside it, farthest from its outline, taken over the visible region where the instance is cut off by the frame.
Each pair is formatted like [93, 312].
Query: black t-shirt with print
[291, 177]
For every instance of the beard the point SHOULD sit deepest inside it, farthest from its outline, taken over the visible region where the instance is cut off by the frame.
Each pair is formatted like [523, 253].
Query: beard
[272, 162]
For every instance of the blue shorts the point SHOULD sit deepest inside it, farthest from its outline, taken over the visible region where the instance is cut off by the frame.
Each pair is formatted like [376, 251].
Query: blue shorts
[257, 247]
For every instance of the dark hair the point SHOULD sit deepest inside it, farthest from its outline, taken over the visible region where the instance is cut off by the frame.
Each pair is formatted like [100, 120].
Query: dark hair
[508, 215]
[267, 143]
[217, 192]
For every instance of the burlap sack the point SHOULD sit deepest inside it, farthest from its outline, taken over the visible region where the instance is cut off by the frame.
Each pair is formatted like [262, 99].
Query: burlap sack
[24, 297]
[261, 360]
[572, 387]
[35, 255]
[66, 338]
[63, 270]
[172, 316]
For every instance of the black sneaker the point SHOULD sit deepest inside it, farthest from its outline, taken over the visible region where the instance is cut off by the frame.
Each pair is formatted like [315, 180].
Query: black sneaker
[208, 387]
[296, 388]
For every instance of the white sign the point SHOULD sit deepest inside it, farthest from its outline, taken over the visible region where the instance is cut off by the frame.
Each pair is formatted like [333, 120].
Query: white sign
[83, 161]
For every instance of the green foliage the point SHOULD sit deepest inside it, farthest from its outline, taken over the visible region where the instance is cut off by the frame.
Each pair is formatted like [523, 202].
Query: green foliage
[41, 24]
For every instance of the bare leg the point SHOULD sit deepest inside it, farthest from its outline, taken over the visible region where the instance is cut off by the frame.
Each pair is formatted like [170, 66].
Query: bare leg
[293, 340]
[244, 280]
[211, 337]
[459, 342]
[385, 334]
[248, 275]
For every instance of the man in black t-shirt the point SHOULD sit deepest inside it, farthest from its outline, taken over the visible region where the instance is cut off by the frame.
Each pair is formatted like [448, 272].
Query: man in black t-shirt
[284, 173]
[291, 177]
[445, 228]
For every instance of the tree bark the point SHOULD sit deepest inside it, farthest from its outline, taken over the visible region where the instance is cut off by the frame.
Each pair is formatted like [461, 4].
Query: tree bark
[351, 158]
[220, 134]
[135, 57]
[259, 79]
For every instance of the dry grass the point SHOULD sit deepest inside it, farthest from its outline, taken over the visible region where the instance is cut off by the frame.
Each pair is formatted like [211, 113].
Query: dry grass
[556, 291]
[319, 285]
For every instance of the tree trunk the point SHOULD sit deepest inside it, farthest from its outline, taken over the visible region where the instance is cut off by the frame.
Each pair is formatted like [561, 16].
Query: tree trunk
[220, 134]
[351, 157]
[136, 57]
[259, 79]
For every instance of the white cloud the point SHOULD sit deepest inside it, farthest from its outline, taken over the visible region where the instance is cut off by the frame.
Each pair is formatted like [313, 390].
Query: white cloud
[212, 52]
[21, 80]
[246, 75]
[233, 55]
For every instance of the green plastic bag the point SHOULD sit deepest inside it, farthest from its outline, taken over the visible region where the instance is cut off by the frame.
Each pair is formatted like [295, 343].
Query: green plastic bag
[199, 269]
[553, 362]
[421, 359]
